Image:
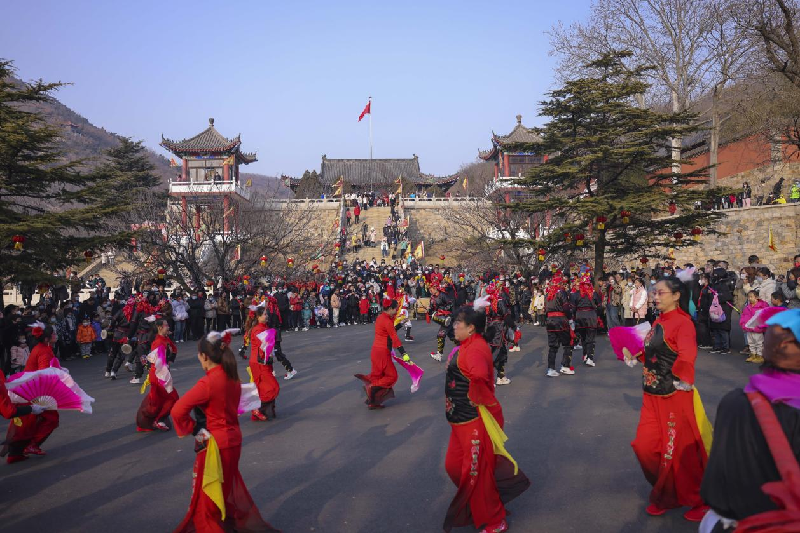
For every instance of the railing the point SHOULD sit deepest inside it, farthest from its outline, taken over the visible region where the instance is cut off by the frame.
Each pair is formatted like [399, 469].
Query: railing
[201, 187]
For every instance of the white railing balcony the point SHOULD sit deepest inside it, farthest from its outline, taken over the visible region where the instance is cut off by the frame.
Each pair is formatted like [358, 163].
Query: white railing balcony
[190, 188]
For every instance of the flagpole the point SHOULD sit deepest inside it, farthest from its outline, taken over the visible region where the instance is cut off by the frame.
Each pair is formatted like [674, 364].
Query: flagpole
[370, 144]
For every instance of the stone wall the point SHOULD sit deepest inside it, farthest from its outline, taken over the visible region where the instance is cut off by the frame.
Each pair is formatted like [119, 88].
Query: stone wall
[769, 173]
[746, 232]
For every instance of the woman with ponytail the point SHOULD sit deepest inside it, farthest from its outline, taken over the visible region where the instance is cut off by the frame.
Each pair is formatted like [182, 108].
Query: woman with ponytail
[27, 437]
[223, 505]
[483, 472]
[673, 436]
[156, 406]
[379, 382]
[261, 368]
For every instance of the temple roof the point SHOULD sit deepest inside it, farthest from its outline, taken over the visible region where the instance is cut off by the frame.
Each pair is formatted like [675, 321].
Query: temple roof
[358, 171]
[520, 135]
[208, 141]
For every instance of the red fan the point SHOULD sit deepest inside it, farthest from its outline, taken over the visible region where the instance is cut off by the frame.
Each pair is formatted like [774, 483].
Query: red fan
[52, 388]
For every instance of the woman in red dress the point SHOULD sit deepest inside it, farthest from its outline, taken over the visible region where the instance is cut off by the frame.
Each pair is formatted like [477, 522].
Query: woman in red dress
[215, 402]
[485, 480]
[261, 368]
[26, 438]
[159, 401]
[15, 410]
[668, 442]
[378, 384]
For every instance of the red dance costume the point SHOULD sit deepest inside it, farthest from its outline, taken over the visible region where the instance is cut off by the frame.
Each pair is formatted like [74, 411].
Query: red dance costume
[158, 402]
[261, 368]
[34, 429]
[218, 398]
[485, 481]
[668, 442]
[378, 384]
[9, 409]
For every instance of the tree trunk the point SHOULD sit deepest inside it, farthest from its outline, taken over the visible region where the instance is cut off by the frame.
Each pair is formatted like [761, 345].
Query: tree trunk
[676, 141]
[714, 146]
[599, 254]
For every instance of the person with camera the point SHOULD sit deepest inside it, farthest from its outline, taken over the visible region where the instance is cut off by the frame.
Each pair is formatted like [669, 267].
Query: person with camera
[720, 325]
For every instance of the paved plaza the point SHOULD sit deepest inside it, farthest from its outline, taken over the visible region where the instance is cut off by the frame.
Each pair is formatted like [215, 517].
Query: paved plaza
[327, 464]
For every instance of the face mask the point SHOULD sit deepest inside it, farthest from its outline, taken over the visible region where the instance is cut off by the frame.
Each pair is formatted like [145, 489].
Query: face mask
[743, 276]
[194, 297]
[630, 284]
[702, 282]
[652, 282]
[759, 278]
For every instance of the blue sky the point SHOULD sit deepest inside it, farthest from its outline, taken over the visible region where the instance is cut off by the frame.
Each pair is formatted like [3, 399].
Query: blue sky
[292, 77]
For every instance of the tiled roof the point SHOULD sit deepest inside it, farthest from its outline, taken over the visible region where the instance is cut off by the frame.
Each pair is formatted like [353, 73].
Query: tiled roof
[519, 135]
[365, 172]
[208, 141]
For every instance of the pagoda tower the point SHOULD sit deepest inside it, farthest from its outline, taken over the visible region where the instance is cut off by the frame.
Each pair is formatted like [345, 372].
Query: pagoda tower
[209, 175]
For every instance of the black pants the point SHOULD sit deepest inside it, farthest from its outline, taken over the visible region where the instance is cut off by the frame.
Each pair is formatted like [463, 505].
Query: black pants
[281, 357]
[210, 322]
[236, 319]
[554, 340]
[703, 332]
[295, 321]
[223, 322]
[195, 327]
[586, 336]
[500, 356]
[115, 358]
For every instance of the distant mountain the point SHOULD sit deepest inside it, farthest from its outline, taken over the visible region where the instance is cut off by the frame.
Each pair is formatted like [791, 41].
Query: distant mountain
[83, 140]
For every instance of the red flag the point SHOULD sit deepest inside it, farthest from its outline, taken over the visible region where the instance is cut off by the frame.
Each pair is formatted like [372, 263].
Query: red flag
[365, 112]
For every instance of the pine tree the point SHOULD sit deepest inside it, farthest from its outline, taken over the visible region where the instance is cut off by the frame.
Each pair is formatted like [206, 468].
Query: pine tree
[58, 208]
[309, 186]
[610, 164]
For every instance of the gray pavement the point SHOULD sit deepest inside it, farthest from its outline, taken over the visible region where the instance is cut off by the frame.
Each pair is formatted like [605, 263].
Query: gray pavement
[327, 464]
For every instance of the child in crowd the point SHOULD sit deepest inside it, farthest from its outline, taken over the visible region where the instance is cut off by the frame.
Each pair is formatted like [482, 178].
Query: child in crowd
[98, 338]
[307, 306]
[754, 335]
[85, 337]
[363, 308]
[321, 314]
[19, 355]
[538, 307]
[777, 299]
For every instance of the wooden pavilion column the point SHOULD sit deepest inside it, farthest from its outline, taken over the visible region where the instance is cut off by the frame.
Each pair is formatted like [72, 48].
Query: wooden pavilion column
[184, 211]
[505, 164]
[226, 207]
[496, 170]
[184, 170]
[197, 223]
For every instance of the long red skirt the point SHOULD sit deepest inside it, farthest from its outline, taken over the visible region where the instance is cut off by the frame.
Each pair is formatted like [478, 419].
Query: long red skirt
[485, 481]
[241, 514]
[155, 406]
[670, 450]
[34, 430]
[267, 385]
[382, 377]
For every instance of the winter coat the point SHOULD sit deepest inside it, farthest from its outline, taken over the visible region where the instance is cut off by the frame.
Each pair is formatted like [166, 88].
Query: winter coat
[765, 289]
[639, 302]
[627, 294]
[210, 308]
[792, 295]
[335, 301]
[747, 314]
[725, 298]
[85, 334]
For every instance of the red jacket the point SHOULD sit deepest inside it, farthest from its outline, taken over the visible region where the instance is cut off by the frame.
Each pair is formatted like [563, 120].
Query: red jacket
[40, 358]
[357, 211]
[385, 333]
[475, 362]
[218, 397]
[363, 306]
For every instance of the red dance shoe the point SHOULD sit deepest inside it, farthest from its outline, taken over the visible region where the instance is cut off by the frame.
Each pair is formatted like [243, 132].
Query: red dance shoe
[374, 406]
[161, 426]
[696, 514]
[497, 528]
[655, 510]
[11, 459]
[33, 449]
[258, 416]
[143, 430]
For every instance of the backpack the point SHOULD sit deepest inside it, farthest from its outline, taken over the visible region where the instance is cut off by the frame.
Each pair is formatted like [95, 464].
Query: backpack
[715, 312]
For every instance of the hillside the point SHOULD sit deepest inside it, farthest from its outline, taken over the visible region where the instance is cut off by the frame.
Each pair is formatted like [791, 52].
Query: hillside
[83, 140]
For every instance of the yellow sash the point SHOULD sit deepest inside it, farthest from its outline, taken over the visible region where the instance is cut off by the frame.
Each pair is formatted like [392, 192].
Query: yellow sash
[703, 423]
[497, 435]
[212, 475]
[145, 384]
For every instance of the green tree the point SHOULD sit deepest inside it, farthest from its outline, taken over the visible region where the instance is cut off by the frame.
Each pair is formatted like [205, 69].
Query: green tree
[59, 209]
[309, 186]
[609, 155]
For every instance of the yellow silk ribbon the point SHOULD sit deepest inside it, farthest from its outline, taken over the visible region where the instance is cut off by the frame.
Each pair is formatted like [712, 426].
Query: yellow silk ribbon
[497, 435]
[250, 373]
[145, 384]
[703, 423]
[212, 475]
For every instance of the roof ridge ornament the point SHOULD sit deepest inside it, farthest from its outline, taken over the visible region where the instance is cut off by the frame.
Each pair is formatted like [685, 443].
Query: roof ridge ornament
[519, 119]
[211, 122]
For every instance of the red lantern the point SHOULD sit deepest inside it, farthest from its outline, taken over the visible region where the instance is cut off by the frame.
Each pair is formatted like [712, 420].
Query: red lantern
[88, 254]
[678, 236]
[315, 267]
[553, 266]
[18, 240]
[263, 260]
[337, 245]
[626, 216]
[568, 237]
[541, 254]
[579, 239]
[246, 279]
[441, 258]
[209, 283]
[601, 222]
[643, 260]
[161, 273]
[696, 232]
[290, 262]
